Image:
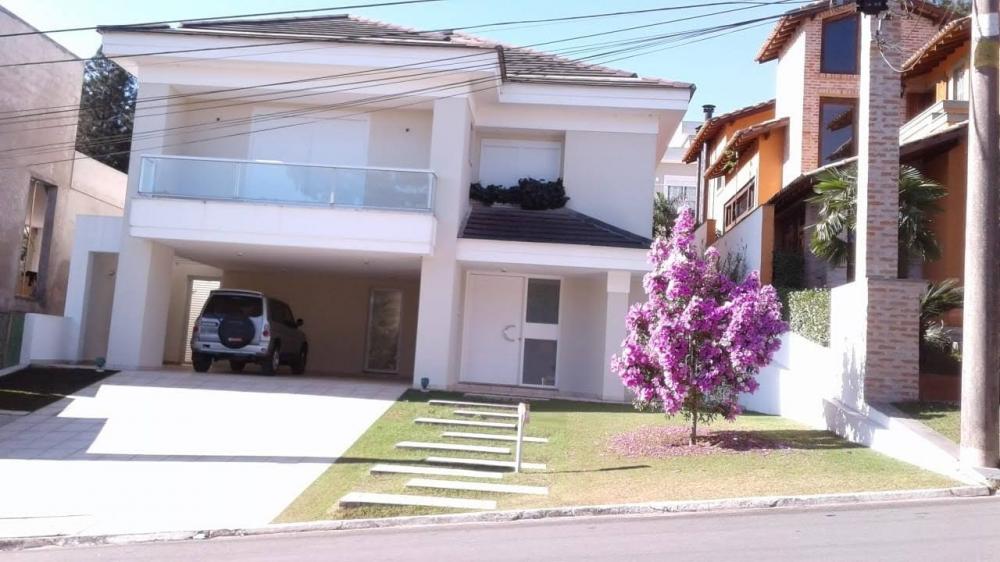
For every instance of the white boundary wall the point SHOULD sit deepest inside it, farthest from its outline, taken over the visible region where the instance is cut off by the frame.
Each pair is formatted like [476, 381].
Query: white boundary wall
[796, 383]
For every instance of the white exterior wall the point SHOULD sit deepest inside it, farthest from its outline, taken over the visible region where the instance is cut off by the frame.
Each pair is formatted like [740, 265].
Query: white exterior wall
[611, 177]
[581, 337]
[177, 316]
[745, 237]
[790, 91]
[438, 345]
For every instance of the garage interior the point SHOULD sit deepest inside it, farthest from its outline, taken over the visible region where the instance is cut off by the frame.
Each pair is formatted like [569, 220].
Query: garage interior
[359, 311]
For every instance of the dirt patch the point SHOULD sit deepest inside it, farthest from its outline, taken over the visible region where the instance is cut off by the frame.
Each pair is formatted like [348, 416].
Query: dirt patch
[672, 441]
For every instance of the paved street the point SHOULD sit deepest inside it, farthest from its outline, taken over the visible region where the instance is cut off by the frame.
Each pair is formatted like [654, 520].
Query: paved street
[169, 450]
[966, 530]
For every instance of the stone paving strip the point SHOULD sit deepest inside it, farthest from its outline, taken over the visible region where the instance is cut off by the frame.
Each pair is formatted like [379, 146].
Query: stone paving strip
[492, 437]
[365, 498]
[471, 404]
[469, 423]
[485, 414]
[453, 447]
[484, 462]
[434, 471]
[477, 486]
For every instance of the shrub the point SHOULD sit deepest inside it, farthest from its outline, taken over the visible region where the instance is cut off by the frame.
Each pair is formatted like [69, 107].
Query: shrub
[808, 312]
[529, 193]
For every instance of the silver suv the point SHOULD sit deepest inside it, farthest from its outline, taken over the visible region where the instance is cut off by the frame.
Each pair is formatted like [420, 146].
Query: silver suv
[248, 327]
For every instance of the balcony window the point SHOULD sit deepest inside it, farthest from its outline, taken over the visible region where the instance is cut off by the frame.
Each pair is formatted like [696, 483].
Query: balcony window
[836, 129]
[839, 54]
[740, 204]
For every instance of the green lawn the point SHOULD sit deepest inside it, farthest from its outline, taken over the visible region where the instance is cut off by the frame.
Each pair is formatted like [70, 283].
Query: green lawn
[943, 417]
[581, 471]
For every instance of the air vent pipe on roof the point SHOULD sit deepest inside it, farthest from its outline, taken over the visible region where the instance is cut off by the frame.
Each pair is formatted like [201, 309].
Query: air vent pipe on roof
[709, 109]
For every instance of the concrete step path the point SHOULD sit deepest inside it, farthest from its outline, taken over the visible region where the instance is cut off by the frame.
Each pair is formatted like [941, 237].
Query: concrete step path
[434, 471]
[469, 423]
[471, 404]
[484, 462]
[354, 499]
[477, 486]
[485, 414]
[492, 437]
[453, 447]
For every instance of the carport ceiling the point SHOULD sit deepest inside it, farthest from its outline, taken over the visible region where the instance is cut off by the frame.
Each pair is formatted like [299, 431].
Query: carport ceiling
[239, 257]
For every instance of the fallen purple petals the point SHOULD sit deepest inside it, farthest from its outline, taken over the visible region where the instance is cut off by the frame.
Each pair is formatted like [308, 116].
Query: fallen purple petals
[672, 441]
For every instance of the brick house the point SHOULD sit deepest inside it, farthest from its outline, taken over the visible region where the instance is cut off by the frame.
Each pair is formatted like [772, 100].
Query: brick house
[760, 161]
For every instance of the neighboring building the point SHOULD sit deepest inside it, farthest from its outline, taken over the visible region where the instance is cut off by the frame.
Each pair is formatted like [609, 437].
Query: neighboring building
[762, 160]
[675, 179]
[44, 183]
[334, 174]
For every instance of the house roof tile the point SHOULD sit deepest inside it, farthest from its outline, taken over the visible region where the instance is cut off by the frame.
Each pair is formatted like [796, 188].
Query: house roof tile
[712, 126]
[789, 23]
[518, 64]
[740, 140]
[944, 43]
[555, 226]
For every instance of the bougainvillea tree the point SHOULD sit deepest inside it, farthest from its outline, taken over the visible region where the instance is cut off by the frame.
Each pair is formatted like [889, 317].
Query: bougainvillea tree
[700, 338]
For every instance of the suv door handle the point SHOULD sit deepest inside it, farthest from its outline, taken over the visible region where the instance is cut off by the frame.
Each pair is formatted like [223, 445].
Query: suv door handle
[507, 336]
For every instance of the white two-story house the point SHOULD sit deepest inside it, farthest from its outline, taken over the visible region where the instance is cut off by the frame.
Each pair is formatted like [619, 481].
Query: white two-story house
[327, 162]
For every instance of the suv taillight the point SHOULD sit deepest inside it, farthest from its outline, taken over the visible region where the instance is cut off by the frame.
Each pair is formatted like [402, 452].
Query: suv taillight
[266, 332]
[194, 330]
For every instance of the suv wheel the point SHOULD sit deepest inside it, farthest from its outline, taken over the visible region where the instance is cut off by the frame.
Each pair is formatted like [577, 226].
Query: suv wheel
[201, 362]
[236, 365]
[299, 364]
[272, 361]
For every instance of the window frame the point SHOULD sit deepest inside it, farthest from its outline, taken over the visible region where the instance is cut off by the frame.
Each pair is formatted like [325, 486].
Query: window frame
[857, 45]
[819, 130]
[729, 215]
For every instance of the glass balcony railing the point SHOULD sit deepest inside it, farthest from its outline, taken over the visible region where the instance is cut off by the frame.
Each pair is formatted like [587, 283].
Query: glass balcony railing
[286, 184]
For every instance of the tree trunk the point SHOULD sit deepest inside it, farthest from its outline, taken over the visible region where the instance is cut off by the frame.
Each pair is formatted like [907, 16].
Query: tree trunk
[694, 420]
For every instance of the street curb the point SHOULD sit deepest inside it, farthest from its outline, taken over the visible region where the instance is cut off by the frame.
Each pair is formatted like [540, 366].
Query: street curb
[648, 508]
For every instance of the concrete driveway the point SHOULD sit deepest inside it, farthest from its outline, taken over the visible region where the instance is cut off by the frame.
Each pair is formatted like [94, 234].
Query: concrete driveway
[172, 450]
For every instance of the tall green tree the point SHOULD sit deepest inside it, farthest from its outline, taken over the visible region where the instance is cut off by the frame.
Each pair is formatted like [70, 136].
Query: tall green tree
[836, 195]
[664, 216]
[107, 110]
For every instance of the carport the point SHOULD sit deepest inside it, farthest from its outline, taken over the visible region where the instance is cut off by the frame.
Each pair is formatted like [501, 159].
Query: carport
[359, 310]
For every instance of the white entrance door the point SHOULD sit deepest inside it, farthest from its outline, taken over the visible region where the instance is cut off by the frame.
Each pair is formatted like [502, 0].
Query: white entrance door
[493, 315]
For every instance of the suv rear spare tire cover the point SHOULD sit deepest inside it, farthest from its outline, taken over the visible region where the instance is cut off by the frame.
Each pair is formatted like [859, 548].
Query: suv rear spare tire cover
[236, 332]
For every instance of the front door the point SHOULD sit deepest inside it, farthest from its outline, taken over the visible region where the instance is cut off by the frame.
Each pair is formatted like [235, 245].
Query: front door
[493, 315]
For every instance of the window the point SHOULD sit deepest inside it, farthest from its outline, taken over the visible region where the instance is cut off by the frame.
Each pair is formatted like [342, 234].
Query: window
[836, 130]
[740, 204]
[35, 238]
[839, 54]
[681, 195]
[958, 84]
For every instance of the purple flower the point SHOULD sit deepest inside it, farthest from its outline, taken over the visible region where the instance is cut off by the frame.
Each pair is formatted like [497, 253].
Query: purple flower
[698, 333]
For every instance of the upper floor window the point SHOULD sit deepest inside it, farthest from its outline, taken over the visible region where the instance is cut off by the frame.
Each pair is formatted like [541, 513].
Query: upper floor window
[836, 130]
[740, 204]
[958, 83]
[839, 54]
[681, 195]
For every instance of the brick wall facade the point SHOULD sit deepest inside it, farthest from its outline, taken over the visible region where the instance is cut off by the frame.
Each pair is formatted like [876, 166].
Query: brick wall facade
[913, 32]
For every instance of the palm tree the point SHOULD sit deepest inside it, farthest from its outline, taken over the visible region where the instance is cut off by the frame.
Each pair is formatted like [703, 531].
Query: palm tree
[836, 194]
[937, 300]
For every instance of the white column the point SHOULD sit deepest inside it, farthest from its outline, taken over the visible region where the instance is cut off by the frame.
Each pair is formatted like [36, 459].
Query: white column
[142, 285]
[616, 307]
[439, 316]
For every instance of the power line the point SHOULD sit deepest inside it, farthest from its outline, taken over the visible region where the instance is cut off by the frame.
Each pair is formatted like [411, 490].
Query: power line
[745, 4]
[217, 18]
[656, 40]
[76, 108]
[294, 113]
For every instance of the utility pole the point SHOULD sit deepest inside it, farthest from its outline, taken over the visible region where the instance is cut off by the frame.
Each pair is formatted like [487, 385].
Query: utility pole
[981, 312]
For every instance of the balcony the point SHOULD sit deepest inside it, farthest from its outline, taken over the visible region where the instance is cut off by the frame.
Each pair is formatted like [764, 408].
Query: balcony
[934, 119]
[191, 199]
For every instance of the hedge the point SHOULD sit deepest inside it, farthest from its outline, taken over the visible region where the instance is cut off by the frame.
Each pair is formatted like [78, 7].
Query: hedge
[808, 312]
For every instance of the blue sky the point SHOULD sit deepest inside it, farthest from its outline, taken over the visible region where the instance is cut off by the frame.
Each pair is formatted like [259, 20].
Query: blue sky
[723, 68]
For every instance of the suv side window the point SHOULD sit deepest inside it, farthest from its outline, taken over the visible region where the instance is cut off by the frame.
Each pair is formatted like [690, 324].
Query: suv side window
[281, 313]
